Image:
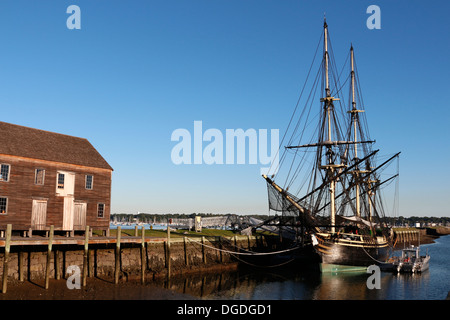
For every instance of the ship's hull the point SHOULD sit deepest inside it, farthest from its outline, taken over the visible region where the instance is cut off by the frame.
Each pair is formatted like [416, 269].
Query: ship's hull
[339, 254]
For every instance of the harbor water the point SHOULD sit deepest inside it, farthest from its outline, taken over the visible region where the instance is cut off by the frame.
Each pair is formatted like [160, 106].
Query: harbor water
[250, 283]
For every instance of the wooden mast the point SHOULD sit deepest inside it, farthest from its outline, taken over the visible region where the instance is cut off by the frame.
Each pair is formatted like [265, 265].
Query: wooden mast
[355, 133]
[329, 108]
[355, 119]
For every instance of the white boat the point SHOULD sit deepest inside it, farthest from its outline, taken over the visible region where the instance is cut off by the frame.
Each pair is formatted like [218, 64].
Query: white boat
[411, 261]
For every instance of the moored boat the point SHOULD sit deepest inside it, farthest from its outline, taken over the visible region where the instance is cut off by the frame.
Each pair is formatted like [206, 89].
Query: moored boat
[410, 261]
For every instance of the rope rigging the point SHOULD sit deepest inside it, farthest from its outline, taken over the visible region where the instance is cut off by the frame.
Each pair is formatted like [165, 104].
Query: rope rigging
[248, 253]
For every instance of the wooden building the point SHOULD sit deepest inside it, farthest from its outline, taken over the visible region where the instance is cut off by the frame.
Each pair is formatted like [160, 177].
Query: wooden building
[48, 178]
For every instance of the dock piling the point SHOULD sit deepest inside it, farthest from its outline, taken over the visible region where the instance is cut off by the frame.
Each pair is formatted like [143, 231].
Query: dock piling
[221, 259]
[6, 257]
[143, 267]
[85, 255]
[168, 251]
[57, 265]
[117, 256]
[49, 256]
[21, 260]
[203, 250]
[186, 259]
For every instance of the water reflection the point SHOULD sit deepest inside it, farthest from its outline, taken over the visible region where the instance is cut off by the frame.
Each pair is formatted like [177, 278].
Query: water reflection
[291, 283]
[407, 286]
[288, 284]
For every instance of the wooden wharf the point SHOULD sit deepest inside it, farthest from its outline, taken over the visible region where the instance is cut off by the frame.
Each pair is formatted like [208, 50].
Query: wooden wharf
[53, 243]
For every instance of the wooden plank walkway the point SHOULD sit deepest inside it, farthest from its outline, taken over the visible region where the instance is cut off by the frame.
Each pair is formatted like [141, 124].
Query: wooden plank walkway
[80, 240]
[50, 240]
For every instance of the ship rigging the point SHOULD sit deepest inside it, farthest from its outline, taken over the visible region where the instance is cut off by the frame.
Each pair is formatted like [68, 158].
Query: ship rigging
[330, 183]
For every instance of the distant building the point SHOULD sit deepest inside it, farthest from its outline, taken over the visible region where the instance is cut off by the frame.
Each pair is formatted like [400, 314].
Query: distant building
[48, 178]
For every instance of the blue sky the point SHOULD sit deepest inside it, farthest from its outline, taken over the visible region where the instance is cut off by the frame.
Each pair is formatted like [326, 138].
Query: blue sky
[138, 70]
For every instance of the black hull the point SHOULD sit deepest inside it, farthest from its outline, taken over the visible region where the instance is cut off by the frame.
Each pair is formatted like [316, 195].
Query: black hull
[302, 259]
[351, 253]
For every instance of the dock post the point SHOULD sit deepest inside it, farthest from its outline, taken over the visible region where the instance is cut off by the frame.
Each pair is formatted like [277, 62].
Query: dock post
[203, 250]
[143, 267]
[117, 256]
[168, 251]
[6, 257]
[136, 232]
[186, 259]
[57, 265]
[85, 255]
[220, 251]
[21, 260]
[49, 255]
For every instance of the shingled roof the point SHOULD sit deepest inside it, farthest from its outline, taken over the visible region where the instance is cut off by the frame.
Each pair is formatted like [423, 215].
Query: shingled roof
[32, 143]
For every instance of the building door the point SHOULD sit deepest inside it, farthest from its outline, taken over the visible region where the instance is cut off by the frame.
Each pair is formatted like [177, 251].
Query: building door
[39, 214]
[65, 187]
[68, 213]
[79, 215]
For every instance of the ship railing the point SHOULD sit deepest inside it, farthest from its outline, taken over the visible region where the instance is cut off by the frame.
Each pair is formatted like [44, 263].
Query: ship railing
[358, 237]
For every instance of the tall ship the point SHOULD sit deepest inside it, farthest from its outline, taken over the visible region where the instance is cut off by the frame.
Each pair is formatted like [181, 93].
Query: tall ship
[330, 183]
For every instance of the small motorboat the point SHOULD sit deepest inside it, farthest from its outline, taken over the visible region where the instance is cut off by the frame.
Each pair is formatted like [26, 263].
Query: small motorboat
[410, 261]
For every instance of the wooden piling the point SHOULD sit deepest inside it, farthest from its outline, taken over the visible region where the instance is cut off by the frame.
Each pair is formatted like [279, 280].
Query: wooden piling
[203, 250]
[136, 232]
[143, 266]
[49, 255]
[220, 251]
[6, 257]
[85, 255]
[21, 261]
[117, 256]
[186, 260]
[57, 265]
[168, 251]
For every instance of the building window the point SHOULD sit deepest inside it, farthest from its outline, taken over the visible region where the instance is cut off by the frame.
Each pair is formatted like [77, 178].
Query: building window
[101, 210]
[60, 180]
[39, 176]
[4, 172]
[89, 182]
[3, 205]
